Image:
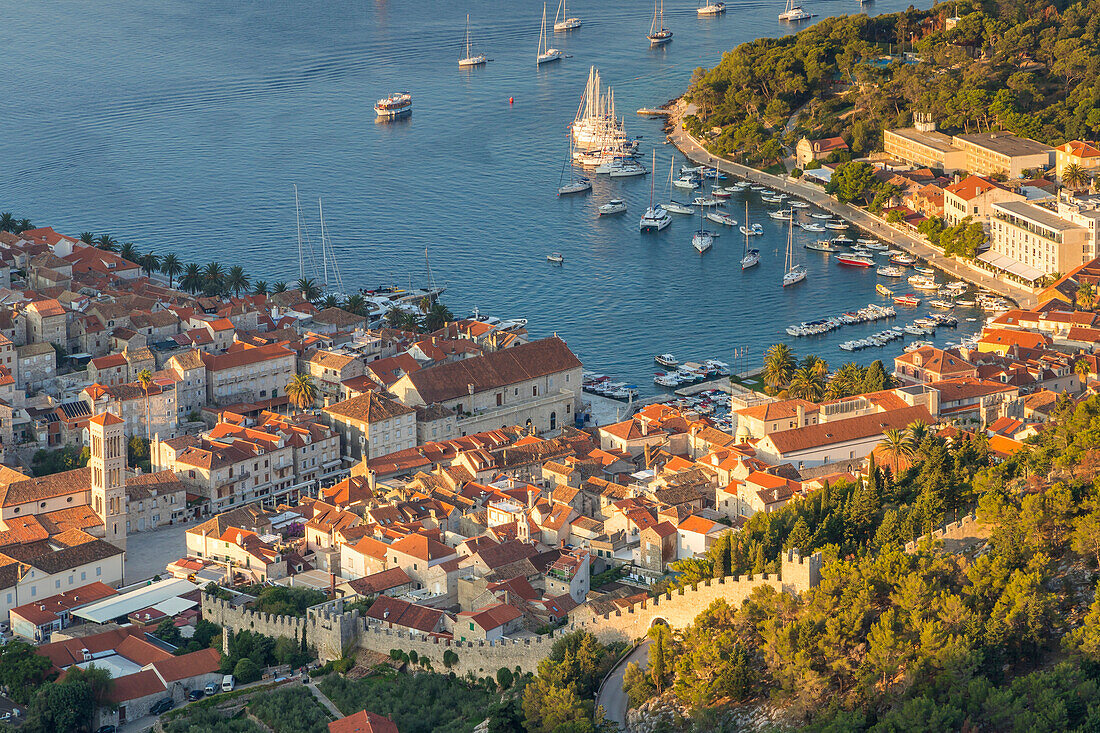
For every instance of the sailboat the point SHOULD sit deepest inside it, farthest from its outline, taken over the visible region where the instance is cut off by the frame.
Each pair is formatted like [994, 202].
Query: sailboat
[794, 12]
[752, 256]
[711, 8]
[576, 184]
[471, 59]
[658, 34]
[566, 24]
[702, 240]
[546, 54]
[792, 273]
[655, 217]
[675, 207]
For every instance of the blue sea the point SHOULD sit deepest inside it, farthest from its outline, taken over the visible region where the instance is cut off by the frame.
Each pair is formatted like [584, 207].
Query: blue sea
[183, 126]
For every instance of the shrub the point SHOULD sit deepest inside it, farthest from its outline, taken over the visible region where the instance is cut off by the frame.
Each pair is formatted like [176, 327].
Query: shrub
[247, 671]
[290, 709]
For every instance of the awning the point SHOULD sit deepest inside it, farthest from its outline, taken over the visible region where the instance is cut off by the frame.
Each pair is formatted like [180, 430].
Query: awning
[1011, 266]
[123, 605]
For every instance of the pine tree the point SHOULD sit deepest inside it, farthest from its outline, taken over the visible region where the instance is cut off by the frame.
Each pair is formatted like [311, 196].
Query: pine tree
[758, 563]
[799, 538]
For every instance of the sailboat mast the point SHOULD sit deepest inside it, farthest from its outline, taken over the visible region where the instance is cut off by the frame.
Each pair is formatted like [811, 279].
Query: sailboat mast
[324, 246]
[467, 35]
[298, 226]
[747, 228]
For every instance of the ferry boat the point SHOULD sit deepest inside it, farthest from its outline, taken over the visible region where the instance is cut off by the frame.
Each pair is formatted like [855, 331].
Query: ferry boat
[908, 299]
[883, 290]
[855, 260]
[395, 105]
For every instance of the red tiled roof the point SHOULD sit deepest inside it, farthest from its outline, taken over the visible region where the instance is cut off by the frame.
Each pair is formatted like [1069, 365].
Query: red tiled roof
[362, 722]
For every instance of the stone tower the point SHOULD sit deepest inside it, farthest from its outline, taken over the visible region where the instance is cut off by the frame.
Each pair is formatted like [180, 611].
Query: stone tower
[108, 464]
[800, 573]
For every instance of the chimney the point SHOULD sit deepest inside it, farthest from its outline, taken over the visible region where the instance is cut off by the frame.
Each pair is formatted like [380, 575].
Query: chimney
[800, 414]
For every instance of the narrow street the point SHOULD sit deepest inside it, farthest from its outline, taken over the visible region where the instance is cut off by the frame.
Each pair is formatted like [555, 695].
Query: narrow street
[611, 695]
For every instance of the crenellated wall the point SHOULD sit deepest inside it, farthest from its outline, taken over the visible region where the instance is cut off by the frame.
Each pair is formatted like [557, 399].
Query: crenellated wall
[335, 633]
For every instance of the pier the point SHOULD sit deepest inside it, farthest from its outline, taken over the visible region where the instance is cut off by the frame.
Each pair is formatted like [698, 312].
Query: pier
[873, 225]
[654, 112]
[722, 383]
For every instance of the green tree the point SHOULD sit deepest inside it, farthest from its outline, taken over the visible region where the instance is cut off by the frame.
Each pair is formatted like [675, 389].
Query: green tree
[236, 280]
[192, 278]
[259, 287]
[437, 316]
[106, 242]
[128, 251]
[302, 391]
[778, 366]
[1074, 176]
[171, 267]
[505, 678]
[311, 291]
[213, 279]
[149, 263]
[22, 670]
[851, 181]
[637, 685]
[246, 671]
[279, 287]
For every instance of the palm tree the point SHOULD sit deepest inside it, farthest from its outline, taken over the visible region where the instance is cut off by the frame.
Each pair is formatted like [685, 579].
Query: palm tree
[899, 445]
[87, 238]
[213, 278]
[171, 267]
[778, 366]
[310, 290]
[260, 287]
[149, 262]
[355, 304]
[302, 391]
[192, 278]
[279, 287]
[806, 385]
[330, 301]
[410, 322]
[839, 387]
[437, 317]
[7, 222]
[23, 225]
[1082, 369]
[128, 251]
[394, 316]
[145, 378]
[236, 280]
[918, 430]
[106, 242]
[1086, 294]
[1074, 176]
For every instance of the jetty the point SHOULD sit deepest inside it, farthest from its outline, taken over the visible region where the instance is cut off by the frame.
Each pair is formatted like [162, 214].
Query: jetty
[694, 151]
[722, 383]
[654, 112]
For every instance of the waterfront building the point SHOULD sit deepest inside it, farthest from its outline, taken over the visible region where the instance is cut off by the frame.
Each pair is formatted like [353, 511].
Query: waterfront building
[1076, 152]
[923, 145]
[1082, 209]
[972, 197]
[1002, 152]
[810, 150]
[1028, 241]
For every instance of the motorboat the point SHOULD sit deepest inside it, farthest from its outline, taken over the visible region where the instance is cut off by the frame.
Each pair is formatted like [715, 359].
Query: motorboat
[471, 59]
[873, 245]
[924, 270]
[689, 181]
[943, 305]
[794, 13]
[711, 9]
[822, 216]
[855, 260]
[627, 170]
[546, 54]
[395, 105]
[702, 240]
[667, 360]
[720, 217]
[782, 214]
[706, 201]
[923, 282]
[883, 290]
[654, 219]
[903, 259]
[566, 23]
[675, 207]
[840, 225]
[908, 299]
[720, 192]
[842, 241]
[890, 271]
[799, 205]
[659, 35]
[555, 257]
[822, 245]
[753, 230]
[812, 227]
[691, 169]
[614, 206]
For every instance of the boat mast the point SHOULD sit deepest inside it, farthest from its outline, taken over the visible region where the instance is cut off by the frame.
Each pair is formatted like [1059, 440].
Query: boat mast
[467, 35]
[324, 247]
[542, 33]
[298, 226]
[651, 180]
[747, 229]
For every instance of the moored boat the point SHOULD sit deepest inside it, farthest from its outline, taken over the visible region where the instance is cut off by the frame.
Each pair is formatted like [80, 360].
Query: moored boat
[883, 290]
[395, 105]
[908, 299]
[855, 260]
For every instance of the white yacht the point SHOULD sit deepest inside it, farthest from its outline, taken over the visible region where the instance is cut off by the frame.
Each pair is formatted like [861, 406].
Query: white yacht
[794, 13]
[614, 206]
[654, 219]
[751, 257]
[471, 59]
[711, 9]
[658, 34]
[793, 273]
[395, 105]
[721, 217]
[702, 240]
[675, 207]
[546, 54]
[565, 24]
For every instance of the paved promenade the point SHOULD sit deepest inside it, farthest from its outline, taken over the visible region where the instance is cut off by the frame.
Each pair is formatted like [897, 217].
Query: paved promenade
[691, 148]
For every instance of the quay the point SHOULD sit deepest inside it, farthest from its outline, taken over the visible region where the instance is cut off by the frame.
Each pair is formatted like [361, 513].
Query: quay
[694, 151]
[722, 383]
[654, 112]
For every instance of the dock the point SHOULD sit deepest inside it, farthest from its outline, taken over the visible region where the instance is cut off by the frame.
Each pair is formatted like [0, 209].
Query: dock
[654, 112]
[722, 383]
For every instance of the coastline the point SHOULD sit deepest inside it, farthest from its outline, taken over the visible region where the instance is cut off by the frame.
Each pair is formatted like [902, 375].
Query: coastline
[694, 151]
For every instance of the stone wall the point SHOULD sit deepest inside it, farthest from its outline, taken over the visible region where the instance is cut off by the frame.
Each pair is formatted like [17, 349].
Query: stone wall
[945, 529]
[335, 633]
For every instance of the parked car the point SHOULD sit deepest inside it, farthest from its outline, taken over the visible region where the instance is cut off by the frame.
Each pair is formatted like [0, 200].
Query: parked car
[228, 683]
[195, 695]
[106, 729]
[162, 706]
[212, 688]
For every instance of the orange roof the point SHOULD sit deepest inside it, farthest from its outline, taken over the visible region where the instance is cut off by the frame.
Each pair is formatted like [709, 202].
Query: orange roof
[697, 524]
[971, 187]
[1080, 149]
[1009, 337]
[362, 722]
[1003, 446]
[106, 418]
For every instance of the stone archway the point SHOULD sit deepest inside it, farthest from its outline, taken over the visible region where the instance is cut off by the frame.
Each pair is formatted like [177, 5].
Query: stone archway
[659, 620]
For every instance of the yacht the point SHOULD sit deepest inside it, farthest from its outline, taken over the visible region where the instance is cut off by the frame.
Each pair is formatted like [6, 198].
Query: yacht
[711, 9]
[822, 245]
[751, 257]
[471, 59]
[702, 240]
[667, 360]
[614, 206]
[687, 181]
[794, 273]
[658, 34]
[782, 214]
[794, 13]
[721, 217]
[855, 260]
[546, 54]
[675, 207]
[812, 227]
[565, 24]
[395, 105]
[575, 184]
[654, 219]
[626, 170]
[904, 259]
[890, 271]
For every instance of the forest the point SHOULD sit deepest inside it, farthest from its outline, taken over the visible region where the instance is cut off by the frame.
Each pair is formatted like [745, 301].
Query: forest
[1005, 639]
[1020, 65]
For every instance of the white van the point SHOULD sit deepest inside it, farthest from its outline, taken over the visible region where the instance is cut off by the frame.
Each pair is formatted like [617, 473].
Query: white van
[227, 683]
[212, 688]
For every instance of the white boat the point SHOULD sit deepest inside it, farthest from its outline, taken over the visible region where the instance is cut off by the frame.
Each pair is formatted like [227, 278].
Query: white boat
[658, 34]
[655, 217]
[688, 182]
[822, 246]
[838, 225]
[614, 206]
[555, 257]
[822, 216]
[794, 13]
[890, 271]
[395, 105]
[471, 59]
[565, 24]
[792, 273]
[812, 227]
[702, 240]
[782, 215]
[675, 207]
[546, 54]
[799, 205]
[627, 170]
[721, 217]
[711, 8]
[751, 258]
[706, 201]
[667, 360]
[575, 183]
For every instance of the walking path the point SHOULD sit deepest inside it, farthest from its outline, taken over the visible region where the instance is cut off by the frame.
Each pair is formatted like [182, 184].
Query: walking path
[323, 698]
[695, 152]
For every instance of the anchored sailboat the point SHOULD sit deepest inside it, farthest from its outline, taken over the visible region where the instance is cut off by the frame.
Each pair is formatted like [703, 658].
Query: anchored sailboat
[566, 24]
[546, 54]
[655, 217]
[658, 34]
[792, 273]
[674, 206]
[576, 184]
[752, 256]
[471, 59]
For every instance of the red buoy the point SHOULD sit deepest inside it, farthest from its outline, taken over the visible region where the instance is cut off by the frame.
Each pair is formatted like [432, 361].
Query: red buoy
[510, 100]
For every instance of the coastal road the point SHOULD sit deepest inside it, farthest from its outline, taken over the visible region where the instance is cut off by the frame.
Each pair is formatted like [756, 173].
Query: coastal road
[611, 695]
[691, 148]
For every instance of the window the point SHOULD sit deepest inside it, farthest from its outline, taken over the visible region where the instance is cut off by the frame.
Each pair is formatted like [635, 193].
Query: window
[471, 626]
[83, 575]
[98, 571]
[57, 584]
[34, 590]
